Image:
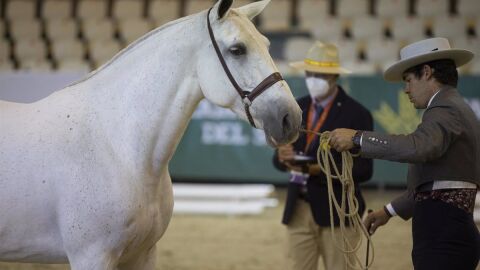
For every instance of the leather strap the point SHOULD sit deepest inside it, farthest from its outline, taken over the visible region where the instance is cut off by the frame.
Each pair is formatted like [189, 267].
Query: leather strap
[247, 97]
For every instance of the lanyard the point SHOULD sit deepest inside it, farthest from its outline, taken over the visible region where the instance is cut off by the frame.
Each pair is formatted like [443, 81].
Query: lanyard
[318, 125]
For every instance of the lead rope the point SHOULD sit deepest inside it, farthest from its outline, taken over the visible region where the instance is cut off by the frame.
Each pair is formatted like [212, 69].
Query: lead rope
[325, 161]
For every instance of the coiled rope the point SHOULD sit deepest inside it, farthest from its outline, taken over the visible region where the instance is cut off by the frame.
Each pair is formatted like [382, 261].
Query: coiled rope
[327, 163]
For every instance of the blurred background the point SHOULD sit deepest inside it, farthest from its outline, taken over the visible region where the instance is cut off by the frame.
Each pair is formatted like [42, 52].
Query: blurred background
[50, 43]
[47, 44]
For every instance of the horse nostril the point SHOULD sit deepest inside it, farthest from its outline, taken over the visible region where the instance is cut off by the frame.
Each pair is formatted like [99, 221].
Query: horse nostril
[286, 123]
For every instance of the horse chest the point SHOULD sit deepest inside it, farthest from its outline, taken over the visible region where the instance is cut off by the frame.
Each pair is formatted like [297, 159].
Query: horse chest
[148, 223]
[145, 229]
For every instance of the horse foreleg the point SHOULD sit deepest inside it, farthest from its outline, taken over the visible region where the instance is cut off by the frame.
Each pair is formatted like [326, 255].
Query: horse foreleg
[146, 260]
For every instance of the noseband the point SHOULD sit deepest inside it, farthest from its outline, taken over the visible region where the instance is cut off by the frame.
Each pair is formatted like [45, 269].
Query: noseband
[247, 97]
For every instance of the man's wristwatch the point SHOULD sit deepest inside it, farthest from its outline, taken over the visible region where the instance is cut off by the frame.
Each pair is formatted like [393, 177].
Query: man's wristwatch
[356, 139]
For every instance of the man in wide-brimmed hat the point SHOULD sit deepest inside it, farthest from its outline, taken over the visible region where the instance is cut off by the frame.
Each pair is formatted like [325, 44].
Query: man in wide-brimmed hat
[307, 214]
[444, 157]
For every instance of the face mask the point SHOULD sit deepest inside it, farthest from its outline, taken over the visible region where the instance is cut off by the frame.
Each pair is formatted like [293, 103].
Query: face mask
[317, 87]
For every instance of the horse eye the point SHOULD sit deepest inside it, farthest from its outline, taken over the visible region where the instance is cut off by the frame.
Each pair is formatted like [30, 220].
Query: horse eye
[238, 50]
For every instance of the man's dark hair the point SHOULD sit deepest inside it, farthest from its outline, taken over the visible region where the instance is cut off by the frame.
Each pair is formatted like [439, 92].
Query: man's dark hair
[444, 71]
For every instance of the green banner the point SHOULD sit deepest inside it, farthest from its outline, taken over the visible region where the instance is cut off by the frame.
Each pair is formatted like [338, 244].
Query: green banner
[219, 147]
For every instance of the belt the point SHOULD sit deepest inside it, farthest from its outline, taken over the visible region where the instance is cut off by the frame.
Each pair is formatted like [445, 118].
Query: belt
[463, 198]
[445, 184]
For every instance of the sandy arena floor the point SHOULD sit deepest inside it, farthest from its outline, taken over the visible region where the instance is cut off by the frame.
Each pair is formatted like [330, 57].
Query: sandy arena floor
[254, 242]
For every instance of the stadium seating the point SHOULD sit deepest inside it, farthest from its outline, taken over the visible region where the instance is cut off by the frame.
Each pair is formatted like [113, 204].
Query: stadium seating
[431, 8]
[364, 28]
[98, 29]
[239, 3]
[449, 27]
[408, 28]
[391, 8]
[468, 8]
[92, 9]
[20, 9]
[2, 30]
[368, 32]
[127, 9]
[103, 50]
[73, 65]
[382, 52]
[61, 28]
[25, 29]
[31, 54]
[348, 50]
[133, 28]
[276, 16]
[359, 68]
[194, 6]
[68, 49]
[311, 12]
[57, 9]
[296, 48]
[162, 11]
[352, 8]
[4, 51]
[329, 28]
[41, 65]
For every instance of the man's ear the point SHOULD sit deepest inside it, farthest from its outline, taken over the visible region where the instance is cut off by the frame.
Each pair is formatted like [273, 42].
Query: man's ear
[428, 71]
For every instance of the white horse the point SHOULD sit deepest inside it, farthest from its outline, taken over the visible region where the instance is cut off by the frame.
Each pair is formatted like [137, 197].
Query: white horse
[84, 172]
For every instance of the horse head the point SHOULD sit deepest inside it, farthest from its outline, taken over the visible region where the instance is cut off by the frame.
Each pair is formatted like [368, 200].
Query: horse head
[236, 71]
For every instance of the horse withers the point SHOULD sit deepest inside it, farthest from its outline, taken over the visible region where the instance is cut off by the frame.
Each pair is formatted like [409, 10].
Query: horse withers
[84, 172]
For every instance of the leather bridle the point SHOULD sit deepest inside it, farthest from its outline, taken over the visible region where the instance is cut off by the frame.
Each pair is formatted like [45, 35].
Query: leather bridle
[247, 97]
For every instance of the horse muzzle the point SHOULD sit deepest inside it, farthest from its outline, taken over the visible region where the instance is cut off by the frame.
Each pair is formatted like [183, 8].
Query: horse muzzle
[282, 124]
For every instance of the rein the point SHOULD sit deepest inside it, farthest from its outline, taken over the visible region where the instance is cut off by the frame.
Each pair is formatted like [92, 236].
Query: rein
[247, 97]
[327, 163]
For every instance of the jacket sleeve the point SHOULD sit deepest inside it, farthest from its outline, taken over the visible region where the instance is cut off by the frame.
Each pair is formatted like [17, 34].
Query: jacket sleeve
[439, 128]
[403, 204]
[363, 167]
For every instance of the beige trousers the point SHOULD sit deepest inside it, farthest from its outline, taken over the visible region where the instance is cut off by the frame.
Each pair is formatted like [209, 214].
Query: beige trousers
[308, 242]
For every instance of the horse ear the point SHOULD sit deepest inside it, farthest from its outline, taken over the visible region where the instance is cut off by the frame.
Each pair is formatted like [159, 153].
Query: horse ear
[253, 9]
[222, 7]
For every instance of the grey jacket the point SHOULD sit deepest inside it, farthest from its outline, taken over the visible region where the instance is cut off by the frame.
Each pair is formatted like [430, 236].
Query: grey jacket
[445, 146]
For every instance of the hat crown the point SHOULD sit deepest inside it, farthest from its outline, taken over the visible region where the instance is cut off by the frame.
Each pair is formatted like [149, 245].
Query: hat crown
[323, 53]
[424, 47]
[425, 51]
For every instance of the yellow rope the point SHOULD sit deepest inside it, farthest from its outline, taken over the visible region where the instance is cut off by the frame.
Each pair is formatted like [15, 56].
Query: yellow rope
[326, 163]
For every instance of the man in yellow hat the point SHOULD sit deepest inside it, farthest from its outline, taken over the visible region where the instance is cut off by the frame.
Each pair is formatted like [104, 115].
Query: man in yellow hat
[443, 155]
[307, 214]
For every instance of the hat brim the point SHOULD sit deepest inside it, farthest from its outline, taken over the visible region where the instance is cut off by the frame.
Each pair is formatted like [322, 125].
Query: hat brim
[394, 73]
[301, 65]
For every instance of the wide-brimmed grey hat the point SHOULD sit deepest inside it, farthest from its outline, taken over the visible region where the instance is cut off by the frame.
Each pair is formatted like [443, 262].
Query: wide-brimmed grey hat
[425, 51]
[321, 58]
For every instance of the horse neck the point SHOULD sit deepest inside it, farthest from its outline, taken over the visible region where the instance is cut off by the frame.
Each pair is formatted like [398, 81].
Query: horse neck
[148, 94]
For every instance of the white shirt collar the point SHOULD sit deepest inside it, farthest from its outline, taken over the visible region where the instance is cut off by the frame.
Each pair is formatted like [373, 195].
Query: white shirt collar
[431, 99]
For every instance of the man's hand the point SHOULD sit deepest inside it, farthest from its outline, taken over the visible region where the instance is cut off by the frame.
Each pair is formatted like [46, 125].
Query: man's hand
[286, 153]
[375, 220]
[341, 139]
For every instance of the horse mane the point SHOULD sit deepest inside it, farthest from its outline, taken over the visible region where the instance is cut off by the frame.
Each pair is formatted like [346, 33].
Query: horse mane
[131, 46]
